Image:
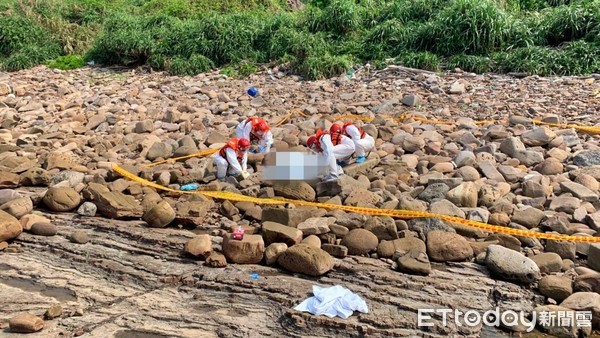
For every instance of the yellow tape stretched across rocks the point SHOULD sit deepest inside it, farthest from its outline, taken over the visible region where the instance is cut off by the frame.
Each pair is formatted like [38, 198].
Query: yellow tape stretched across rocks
[212, 151]
[175, 159]
[403, 214]
[587, 129]
[404, 117]
[400, 118]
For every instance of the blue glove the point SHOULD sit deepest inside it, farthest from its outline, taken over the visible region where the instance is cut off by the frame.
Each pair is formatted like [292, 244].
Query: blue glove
[261, 149]
[253, 151]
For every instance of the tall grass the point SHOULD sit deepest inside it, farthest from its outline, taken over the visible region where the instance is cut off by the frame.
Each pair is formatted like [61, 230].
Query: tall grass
[571, 22]
[468, 26]
[326, 38]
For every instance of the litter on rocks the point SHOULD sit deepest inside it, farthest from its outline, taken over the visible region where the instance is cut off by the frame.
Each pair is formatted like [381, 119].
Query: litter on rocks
[189, 187]
[333, 301]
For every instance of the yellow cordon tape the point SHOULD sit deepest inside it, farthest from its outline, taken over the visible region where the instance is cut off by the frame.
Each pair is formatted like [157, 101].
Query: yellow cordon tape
[403, 117]
[402, 214]
[587, 129]
[175, 159]
[212, 151]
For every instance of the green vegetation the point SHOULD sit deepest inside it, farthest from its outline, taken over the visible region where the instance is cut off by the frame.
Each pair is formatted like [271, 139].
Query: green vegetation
[326, 38]
[66, 62]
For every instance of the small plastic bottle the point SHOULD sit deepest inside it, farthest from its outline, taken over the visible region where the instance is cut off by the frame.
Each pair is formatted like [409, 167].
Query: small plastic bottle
[238, 233]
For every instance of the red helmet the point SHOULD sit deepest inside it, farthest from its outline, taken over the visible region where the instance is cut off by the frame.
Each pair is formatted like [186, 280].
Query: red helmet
[311, 141]
[243, 144]
[335, 129]
[262, 126]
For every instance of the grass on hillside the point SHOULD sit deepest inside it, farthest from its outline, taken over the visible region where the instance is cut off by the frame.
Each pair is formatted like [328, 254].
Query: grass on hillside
[326, 38]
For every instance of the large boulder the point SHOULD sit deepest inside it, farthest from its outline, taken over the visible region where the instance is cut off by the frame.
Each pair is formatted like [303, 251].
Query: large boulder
[28, 220]
[587, 283]
[316, 225]
[384, 227]
[555, 287]
[25, 323]
[9, 180]
[9, 227]
[249, 250]
[117, 205]
[290, 217]
[360, 242]
[548, 262]
[43, 229]
[386, 249]
[593, 257]
[305, 259]
[414, 261]
[18, 207]
[199, 246]
[61, 199]
[279, 233]
[273, 252]
[7, 195]
[297, 190]
[192, 212]
[511, 265]
[447, 247]
[159, 216]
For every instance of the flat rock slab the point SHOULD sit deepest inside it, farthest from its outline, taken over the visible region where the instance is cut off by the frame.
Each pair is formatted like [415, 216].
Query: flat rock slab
[356, 169]
[131, 279]
[117, 205]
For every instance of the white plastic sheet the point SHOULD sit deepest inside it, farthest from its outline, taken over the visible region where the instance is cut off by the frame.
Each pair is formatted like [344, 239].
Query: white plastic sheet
[333, 301]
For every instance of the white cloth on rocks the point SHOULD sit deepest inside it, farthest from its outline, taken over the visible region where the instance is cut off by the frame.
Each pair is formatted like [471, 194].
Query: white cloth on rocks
[333, 301]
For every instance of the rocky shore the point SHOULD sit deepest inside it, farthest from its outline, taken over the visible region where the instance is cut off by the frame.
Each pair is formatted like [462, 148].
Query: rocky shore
[88, 252]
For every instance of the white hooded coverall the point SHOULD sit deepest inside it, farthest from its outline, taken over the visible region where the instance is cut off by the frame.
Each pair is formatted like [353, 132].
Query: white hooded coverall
[343, 150]
[232, 167]
[362, 146]
[243, 131]
[328, 156]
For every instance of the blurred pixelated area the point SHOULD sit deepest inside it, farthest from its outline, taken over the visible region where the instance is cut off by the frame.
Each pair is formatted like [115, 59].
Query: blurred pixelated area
[293, 166]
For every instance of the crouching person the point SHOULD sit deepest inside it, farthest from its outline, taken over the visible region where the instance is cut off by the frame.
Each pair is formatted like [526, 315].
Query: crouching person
[363, 142]
[256, 130]
[321, 144]
[232, 159]
[343, 146]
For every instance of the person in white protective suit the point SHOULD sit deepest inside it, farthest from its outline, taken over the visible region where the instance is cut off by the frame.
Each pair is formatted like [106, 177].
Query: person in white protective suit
[256, 130]
[232, 159]
[363, 142]
[343, 146]
[321, 143]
